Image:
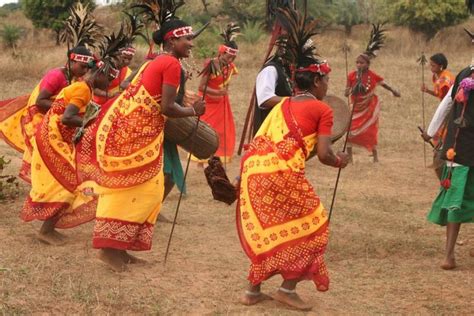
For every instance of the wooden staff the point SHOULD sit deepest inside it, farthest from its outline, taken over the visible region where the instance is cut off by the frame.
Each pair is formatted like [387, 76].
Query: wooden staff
[346, 50]
[210, 70]
[422, 61]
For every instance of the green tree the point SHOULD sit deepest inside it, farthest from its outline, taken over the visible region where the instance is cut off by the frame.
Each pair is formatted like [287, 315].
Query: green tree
[50, 14]
[10, 35]
[429, 16]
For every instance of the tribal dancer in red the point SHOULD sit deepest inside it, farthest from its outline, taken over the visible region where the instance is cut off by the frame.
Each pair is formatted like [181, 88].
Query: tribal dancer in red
[361, 85]
[282, 224]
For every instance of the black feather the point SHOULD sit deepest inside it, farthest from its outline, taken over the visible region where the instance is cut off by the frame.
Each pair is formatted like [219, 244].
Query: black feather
[231, 31]
[157, 11]
[80, 28]
[376, 41]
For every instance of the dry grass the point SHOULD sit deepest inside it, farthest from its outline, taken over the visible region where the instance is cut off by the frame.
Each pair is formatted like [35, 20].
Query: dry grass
[383, 255]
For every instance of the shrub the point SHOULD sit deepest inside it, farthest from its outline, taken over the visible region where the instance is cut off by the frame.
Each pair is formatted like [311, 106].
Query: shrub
[252, 31]
[10, 35]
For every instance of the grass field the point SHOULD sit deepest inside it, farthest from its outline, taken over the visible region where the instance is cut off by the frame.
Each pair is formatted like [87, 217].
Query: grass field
[383, 255]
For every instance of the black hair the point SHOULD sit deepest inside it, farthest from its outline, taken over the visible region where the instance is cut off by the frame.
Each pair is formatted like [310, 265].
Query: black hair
[81, 50]
[232, 44]
[304, 80]
[158, 36]
[440, 59]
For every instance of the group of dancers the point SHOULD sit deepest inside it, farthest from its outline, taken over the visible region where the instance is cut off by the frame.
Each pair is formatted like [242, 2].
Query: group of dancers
[92, 138]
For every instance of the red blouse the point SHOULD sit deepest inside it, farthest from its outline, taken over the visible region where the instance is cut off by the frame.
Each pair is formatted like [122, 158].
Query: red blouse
[370, 80]
[313, 116]
[164, 69]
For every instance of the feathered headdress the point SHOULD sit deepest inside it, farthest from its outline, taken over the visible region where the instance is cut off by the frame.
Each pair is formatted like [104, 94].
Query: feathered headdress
[81, 29]
[110, 51]
[229, 34]
[274, 5]
[300, 48]
[376, 41]
[157, 11]
[133, 28]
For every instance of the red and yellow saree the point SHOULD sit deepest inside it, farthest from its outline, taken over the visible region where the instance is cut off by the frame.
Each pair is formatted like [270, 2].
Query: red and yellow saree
[281, 222]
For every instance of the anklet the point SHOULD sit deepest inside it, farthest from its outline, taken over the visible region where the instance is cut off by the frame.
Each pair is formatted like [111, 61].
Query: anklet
[250, 293]
[286, 290]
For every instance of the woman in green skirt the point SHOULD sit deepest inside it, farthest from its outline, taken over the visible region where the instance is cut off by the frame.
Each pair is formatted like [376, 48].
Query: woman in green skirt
[454, 204]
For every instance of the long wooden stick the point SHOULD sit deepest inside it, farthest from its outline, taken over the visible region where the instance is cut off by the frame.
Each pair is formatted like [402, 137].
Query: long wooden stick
[422, 61]
[186, 171]
[346, 51]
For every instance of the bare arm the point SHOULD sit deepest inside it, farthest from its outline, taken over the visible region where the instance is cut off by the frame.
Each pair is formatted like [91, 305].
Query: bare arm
[43, 101]
[394, 92]
[210, 91]
[171, 109]
[270, 103]
[327, 156]
[348, 91]
[71, 116]
[100, 93]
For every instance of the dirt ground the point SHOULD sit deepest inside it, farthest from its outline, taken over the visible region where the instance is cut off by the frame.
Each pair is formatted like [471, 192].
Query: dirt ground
[383, 256]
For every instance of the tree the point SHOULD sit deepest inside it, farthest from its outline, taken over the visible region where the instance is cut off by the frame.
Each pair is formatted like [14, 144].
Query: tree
[50, 14]
[429, 16]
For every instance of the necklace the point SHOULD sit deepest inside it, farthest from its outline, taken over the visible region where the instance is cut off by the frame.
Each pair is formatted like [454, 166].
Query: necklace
[307, 94]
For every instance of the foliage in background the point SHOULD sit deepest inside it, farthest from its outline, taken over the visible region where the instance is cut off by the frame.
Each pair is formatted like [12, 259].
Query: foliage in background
[10, 35]
[429, 16]
[8, 8]
[252, 32]
[50, 14]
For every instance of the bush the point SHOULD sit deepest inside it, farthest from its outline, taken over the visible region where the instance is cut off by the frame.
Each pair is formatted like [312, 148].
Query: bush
[10, 35]
[9, 186]
[252, 31]
[429, 16]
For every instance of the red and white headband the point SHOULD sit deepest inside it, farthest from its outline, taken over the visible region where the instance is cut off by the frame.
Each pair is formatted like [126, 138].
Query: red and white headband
[81, 58]
[179, 32]
[322, 68]
[112, 71]
[229, 50]
[129, 51]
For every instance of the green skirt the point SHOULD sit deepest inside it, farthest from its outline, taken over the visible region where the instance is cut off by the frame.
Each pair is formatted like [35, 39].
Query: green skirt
[172, 165]
[456, 204]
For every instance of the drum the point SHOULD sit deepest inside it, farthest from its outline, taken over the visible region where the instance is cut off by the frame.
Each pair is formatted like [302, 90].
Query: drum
[202, 145]
[342, 118]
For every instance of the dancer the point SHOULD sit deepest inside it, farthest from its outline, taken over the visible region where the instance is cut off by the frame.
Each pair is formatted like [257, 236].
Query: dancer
[18, 123]
[54, 197]
[218, 110]
[282, 225]
[126, 170]
[443, 79]
[361, 85]
[454, 204]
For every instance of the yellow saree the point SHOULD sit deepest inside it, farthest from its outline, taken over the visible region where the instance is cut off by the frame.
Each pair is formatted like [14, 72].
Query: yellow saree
[281, 222]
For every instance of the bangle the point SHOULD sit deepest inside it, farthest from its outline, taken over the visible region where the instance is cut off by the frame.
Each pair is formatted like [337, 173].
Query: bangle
[338, 162]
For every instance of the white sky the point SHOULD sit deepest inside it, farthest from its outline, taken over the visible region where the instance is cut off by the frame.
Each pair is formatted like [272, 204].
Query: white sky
[2, 2]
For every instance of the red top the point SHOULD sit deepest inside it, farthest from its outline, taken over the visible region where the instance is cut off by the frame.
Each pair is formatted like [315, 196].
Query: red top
[370, 80]
[164, 69]
[313, 116]
[54, 81]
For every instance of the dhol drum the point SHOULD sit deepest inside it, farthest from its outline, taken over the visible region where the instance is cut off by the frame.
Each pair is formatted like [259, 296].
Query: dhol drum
[201, 142]
[342, 118]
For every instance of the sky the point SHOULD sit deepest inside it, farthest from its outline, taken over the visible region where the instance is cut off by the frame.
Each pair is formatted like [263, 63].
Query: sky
[2, 2]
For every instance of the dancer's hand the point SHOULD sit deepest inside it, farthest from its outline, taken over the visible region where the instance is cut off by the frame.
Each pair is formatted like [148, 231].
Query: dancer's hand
[199, 107]
[426, 137]
[344, 159]
[424, 88]
[396, 94]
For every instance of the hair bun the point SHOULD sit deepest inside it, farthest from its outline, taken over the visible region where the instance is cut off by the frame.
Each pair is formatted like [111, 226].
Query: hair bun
[158, 37]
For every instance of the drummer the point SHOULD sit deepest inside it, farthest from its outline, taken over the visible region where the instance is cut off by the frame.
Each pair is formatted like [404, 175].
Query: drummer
[284, 228]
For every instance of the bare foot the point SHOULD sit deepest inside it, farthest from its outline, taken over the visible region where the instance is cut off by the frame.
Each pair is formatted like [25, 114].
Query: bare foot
[52, 237]
[163, 219]
[251, 298]
[129, 259]
[449, 264]
[471, 252]
[114, 258]
[291, 299]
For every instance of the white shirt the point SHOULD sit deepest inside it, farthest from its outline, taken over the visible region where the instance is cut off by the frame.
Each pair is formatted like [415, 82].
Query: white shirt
[438, 118]
[266, 84]
[440, 115]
